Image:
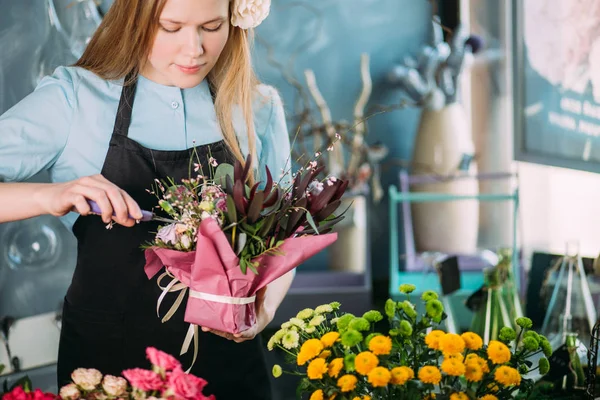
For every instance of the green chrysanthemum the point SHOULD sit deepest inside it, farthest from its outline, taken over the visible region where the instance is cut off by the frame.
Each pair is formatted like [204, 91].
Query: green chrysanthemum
[524, 322]
[544, 365]
[373, 316]
[409, 309]
[360, 324]
[434, 308]
[277, 371]
[531, 344]
[349, 362]
[507, 334]
[306, 313]
[407, 288]
[335, 305]
[406, 328]
[429, 295]
[343, 321]
[351, 338]
[390, 308]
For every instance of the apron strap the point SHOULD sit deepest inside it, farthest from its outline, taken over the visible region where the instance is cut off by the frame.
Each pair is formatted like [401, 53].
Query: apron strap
[123, 118]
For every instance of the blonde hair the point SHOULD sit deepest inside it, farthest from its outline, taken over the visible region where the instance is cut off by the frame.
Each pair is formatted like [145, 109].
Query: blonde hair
[232, 78]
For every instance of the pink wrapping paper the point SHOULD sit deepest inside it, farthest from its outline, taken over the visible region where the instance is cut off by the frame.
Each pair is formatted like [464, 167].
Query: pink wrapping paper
[214, 269]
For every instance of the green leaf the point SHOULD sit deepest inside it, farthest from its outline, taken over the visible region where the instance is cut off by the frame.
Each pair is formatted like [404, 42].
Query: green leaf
[311, 222]
[221, 173]
[231, 212]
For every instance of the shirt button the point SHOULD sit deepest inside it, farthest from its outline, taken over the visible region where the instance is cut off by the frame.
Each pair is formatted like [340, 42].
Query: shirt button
[174, 105]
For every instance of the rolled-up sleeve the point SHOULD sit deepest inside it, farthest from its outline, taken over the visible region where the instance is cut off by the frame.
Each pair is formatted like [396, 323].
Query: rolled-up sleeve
[276, 141]
[34, 132]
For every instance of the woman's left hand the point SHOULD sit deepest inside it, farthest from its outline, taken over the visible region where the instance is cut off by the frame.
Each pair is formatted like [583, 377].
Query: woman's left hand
[263, 318]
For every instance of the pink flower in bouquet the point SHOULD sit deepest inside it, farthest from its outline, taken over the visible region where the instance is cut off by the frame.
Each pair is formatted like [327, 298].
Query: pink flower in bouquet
[168, 234]
[114, 386]
[143, 379]
[222, 205]
[162, 360]
[86, 378]
[70, 392]
[186, 386]
[39, 395]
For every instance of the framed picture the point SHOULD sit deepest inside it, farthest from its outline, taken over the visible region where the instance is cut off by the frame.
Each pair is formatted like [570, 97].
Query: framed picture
[556, 64]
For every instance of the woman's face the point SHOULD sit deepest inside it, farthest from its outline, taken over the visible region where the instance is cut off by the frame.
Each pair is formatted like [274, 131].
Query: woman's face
[191, 36]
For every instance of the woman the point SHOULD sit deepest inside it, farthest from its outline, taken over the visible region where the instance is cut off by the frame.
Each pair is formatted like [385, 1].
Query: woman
[185, 65]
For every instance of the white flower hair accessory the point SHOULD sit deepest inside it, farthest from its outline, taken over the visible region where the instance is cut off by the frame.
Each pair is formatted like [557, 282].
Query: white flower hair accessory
[249, 13]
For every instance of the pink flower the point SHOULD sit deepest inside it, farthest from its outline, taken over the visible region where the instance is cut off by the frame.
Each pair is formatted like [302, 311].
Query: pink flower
[16, 394]
[114, 386]
[39, 395]
[222, 204]
[143, 379]
[161, 359]
[168, 234]
[69, 392]
[186, 386]
[86, 378]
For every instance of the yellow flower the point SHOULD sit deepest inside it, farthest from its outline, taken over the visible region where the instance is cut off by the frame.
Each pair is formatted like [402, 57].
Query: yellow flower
[332, 397]
[365, 362]
[498, 352]
[453, 367]
[459, 396]
[507, 376]
[472, 340]
[451, 343]
[317, 395]
[488, 397]
[430, 374]
[400, 375]
[325, 354]
[379, 377]
[473, 372]
[309, 350]
[366, 397]
[335, 366]
[433, 339]
[316, 368]
[457, 356]
[329, 338]
[347, 383]
[380, 345]
[482, 362]
[430, 396]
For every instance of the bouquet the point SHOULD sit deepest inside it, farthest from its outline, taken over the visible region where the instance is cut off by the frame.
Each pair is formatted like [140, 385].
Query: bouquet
[165, 380]
[342, 356]
[229, 240]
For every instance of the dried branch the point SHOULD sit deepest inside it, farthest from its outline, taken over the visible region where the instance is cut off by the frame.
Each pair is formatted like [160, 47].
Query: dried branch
[359, 113]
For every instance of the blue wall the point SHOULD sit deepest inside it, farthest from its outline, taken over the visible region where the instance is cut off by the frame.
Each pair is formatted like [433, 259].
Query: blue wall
[331, 36]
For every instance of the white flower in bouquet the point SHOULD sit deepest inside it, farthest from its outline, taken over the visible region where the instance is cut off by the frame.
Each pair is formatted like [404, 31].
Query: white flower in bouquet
[290, 340]
[86, 378]
[114, 386]
[70, 392]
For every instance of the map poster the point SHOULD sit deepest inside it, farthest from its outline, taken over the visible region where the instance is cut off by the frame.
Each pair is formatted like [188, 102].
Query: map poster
[557, 82]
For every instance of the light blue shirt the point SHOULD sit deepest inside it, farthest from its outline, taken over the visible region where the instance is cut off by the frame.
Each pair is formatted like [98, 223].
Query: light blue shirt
[65, 125]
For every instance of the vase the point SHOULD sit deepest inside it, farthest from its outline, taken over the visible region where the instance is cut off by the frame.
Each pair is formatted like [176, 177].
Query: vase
[444, 150]
[349, 252]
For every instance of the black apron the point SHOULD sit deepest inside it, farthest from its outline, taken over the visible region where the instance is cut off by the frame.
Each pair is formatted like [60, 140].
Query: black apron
[109, 315]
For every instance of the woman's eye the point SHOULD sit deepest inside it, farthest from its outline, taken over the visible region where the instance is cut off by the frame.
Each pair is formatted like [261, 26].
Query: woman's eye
[169, 30]
[212, 29]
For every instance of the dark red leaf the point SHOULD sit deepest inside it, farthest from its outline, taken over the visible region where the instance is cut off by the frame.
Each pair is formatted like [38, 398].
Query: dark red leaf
[239, 199]
[327, 210]
[255, 207]
[319, 201]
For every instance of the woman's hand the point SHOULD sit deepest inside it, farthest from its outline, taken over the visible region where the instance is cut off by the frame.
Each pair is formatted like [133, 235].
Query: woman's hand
[263, 318]
[59, 199]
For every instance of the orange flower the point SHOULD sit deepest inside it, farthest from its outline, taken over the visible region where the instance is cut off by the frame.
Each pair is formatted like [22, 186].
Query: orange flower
[430, 374]
[329, 339]
[317, 395]
[472, 340]
[309, 350]
[365, 362]
[401, 375]
[379, 377]
[451, 343]
[316, 368]
[335, 366]
[347, 383]
[380, 345]
[453, 367]
[498, 352]
[433, 339]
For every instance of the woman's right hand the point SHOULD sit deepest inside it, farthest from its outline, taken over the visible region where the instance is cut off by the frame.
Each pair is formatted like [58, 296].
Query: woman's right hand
[61, 198]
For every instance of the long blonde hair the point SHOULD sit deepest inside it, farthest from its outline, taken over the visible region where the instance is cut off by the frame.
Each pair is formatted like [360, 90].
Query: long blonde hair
[123, 41]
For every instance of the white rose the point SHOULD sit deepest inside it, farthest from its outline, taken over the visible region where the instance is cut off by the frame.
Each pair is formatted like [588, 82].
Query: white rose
[186, 242]
[87, 379]
[70, 392]
[114, 386]
[249, 13]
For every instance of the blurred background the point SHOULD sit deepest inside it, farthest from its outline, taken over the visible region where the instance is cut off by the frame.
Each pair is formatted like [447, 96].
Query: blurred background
[477, 104]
